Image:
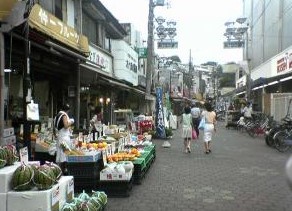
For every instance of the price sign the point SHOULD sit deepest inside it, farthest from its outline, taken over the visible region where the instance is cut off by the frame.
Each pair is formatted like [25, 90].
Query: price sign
[23, 153]
[104, 156]
[70, 189]
[55, 198]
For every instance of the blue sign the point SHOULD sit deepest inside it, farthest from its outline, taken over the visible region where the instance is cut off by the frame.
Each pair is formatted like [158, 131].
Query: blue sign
[159, 120]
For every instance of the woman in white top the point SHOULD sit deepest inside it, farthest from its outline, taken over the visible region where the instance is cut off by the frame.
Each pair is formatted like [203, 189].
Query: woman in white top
[210, 126]
[62, 124]
[187, 129]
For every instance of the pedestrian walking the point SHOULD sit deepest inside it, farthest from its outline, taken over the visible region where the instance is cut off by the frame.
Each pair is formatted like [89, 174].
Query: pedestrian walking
[187, 128]
[210, 126]
[62, 124]
[196, 113]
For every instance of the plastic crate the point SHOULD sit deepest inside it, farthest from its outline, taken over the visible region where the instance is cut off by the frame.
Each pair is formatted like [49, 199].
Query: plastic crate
[116, 188]
[86, 169]
[85, 183]
[138, 174]
[43, 157]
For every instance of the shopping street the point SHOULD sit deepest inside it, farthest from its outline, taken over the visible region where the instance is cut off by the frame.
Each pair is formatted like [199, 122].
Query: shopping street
[241, 173]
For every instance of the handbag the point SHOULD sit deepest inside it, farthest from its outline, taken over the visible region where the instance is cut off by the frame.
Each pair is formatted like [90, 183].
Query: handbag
[202, 124]
[194, 134]
[32, 111]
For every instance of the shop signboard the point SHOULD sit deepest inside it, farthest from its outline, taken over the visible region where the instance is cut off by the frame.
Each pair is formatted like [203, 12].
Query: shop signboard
[167, 44]
[233, 44]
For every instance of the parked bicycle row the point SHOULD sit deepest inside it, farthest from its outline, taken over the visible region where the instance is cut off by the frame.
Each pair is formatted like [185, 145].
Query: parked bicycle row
[276, 134]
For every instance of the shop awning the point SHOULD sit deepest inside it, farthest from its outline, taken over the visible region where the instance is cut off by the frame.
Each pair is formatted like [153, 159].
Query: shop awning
[45, 22]
[5, 8]
[109, 79]
[264, 82]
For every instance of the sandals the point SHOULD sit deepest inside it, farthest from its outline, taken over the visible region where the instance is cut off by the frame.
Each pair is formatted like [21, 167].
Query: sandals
[208, 151]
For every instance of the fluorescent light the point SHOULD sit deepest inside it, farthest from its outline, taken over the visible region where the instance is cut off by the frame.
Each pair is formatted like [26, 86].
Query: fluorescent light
[286, 79]
[240, 93]
[7, 70]
[258, 87]
[272, 83]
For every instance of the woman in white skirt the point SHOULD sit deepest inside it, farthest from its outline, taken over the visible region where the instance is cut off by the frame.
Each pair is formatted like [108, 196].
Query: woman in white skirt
[210, 126]
[187, 129]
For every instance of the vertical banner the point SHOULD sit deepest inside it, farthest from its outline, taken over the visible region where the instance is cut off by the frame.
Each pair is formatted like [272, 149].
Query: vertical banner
[159, 120]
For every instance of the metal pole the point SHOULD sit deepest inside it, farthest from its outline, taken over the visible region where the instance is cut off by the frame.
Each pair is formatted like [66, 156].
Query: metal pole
[26, 94]
[169, 83]
[2, 76]
[248, 78]
[150, 49]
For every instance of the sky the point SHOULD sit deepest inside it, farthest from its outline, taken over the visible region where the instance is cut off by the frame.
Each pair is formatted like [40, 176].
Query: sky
[200, 26]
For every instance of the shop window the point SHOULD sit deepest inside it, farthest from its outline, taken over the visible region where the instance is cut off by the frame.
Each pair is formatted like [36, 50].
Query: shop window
[58, 9]
[89, 28]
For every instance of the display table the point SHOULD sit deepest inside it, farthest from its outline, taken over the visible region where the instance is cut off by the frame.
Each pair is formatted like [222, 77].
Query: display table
[50, 200]
[86, 174]
[143, 163]
[116, 184]
[6, 174]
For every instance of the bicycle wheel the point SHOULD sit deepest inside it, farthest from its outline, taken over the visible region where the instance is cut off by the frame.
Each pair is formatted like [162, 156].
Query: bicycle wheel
[270, 137]
[251, 131]
[279, 139]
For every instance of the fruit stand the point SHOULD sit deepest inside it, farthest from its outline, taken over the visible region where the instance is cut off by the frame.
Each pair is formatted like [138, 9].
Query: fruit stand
[29, 185]
[108, 166]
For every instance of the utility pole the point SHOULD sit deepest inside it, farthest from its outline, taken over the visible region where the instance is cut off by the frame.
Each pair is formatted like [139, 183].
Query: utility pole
[189, 80]
[150, 50]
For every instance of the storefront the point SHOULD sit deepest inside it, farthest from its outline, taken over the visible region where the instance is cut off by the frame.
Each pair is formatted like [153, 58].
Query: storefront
[43, 57]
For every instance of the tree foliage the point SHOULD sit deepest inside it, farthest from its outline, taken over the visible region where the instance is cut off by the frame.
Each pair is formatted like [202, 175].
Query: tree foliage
[175, 58]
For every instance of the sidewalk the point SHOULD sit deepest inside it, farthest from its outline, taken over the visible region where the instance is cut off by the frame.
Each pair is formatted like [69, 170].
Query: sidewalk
[241, 173]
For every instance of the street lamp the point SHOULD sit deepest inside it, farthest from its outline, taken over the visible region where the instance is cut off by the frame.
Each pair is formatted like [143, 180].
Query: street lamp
[150, 45]
[235, 32]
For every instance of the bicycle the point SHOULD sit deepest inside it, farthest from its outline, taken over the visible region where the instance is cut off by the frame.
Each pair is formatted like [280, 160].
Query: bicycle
[283, 139]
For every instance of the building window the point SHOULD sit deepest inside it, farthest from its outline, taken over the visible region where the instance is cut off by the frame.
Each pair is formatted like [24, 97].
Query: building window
[58, 9]
[89, 28]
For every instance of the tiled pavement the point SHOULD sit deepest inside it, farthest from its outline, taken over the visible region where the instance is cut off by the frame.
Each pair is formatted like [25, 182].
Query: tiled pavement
[241, 174]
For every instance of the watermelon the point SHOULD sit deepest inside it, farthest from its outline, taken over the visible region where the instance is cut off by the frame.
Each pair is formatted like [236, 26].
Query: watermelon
[83, 196]
[87, 206]
[2, 163]
[69, 207]
[22, 178]
[3, 154]
[101, 195]
[11, 153]
[96, 202]
[56, 169]
[44, 178]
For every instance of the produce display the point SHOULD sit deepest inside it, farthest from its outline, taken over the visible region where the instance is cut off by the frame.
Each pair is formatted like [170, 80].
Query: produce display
[8, 155]
[22, 178]
[117, 156]
[84, 202]
[43, 177]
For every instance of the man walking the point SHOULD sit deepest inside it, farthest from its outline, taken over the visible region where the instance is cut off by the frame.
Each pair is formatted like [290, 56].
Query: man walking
[196, 113]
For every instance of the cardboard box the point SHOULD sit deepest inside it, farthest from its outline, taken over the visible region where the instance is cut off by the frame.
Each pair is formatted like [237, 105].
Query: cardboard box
[45, 200]
[10, 140]
[6, 174]
[104, 176]
[8, 132]
[66, 189]
[3, 199]
[84, 158]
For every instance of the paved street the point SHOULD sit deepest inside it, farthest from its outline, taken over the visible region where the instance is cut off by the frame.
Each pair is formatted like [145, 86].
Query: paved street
[241, 174]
